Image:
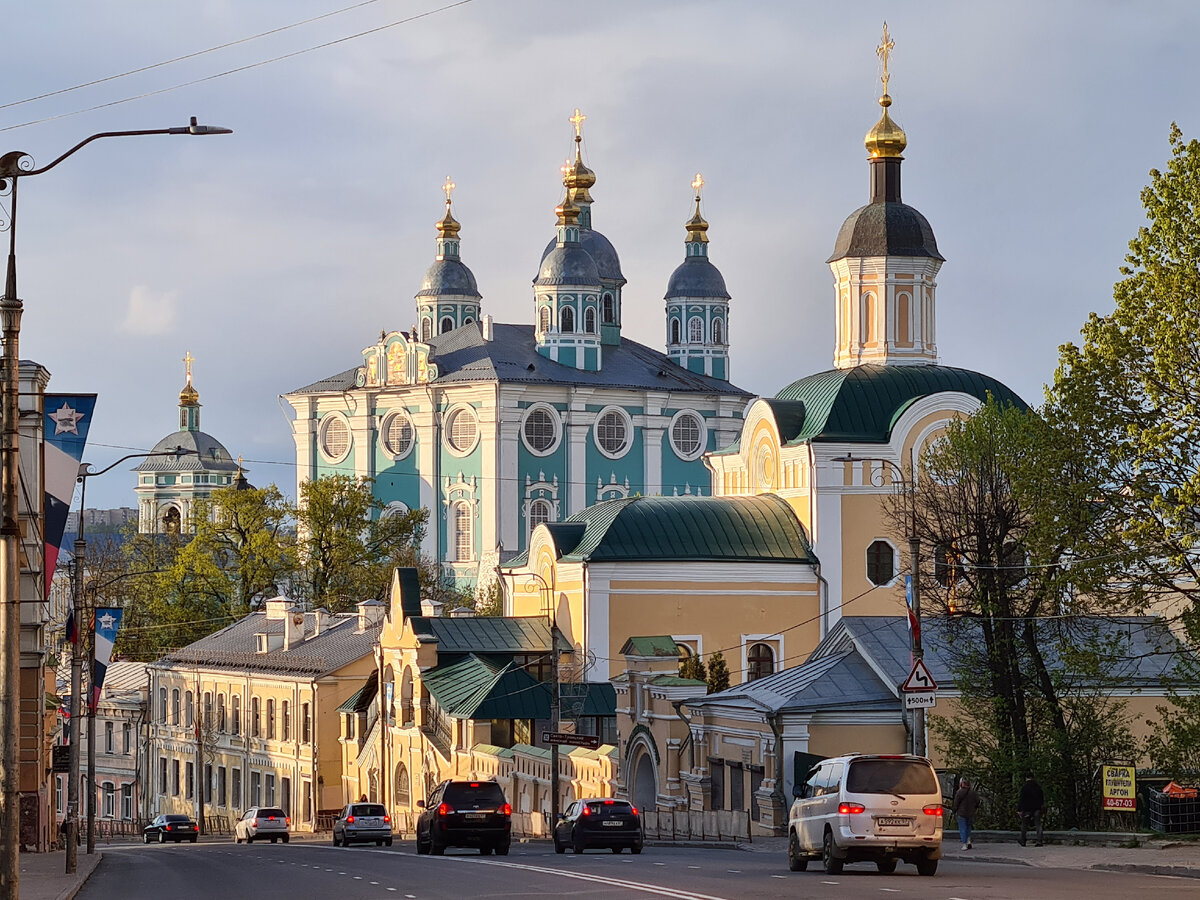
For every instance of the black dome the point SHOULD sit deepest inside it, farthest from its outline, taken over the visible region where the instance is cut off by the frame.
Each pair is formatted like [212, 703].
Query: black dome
[601, 250]
[448, 277]
[696, 277]
[886, 228]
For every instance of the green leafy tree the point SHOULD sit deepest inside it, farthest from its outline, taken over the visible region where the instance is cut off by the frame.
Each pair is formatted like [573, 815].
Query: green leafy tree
[718, 672]
[490, 600]
[347, 548]
[692, 667]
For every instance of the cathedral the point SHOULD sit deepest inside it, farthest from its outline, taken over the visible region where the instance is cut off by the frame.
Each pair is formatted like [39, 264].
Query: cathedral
[497, 428]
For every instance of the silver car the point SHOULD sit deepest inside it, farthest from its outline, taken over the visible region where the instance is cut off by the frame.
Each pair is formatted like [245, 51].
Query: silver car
[261, 823]
[361, 823]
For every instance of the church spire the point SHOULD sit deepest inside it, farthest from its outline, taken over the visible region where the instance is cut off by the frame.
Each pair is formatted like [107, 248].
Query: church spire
[449, 297]
[886, 140]
[577, 177]
[189, 399]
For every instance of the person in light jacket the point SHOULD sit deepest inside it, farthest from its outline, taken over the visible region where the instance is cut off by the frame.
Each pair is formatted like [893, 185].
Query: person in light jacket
[964, 806]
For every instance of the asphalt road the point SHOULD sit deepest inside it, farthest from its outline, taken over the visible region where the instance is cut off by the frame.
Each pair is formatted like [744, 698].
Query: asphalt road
[312, 870]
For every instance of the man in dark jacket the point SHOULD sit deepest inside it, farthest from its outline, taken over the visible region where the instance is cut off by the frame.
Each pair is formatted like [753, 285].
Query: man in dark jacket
[1030, 806]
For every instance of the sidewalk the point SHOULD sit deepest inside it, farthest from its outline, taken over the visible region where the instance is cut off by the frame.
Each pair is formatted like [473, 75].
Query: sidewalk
[41, 875]
[1063, 850]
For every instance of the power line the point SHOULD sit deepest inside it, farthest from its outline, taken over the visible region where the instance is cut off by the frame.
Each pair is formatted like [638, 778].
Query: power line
[245, 68]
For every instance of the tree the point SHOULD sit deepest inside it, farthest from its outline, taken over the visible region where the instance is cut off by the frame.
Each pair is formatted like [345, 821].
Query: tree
[718, 672]
[692, 666]
[1130, 394]
[1005, 501]
[348, 549]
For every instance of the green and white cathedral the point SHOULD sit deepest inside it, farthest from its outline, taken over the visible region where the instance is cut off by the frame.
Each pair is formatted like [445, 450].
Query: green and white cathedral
[497, 428]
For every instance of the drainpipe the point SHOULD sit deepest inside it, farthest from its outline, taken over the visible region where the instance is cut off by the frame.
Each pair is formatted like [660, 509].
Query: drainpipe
[780, 778]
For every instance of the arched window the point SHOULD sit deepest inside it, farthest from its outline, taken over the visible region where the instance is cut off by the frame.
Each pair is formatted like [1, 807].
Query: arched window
[463, 520]
[403, 793]
[589, 320]
[468, 320]
[171, 521]
[695, 330]
[164, 712]
[544, 319]
[881, 563]
[675, 331]
[718, 330]
[236, 714]
[760, 662]
[903, 317]
[540, 511]
[221, 713]
[566, 320]
[270, 718]
[610, 309]
[176, 717]
[406, 698]
[255, 718]
[446, 325]
[108, 796]
[870, 329]
[285, 721]
[426, 328]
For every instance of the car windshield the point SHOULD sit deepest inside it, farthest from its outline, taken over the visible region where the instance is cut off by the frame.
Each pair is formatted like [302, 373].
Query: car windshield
[891, 776]
[474, 793]
[368, 809]
[176, 819]
[269, 813]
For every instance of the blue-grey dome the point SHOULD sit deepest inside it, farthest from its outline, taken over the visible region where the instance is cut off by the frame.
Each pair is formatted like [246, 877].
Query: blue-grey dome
[448, 277]
[696, 277]
[601, 250]
[885, 228]
[210, 455]
[568, 265]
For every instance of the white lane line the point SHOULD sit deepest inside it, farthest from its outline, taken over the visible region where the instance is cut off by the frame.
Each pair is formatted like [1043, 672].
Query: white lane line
[375, 882]
[690, 867]
[779, 876]
[734, 871]
[830, 882]
[597, 879]
[890, 890]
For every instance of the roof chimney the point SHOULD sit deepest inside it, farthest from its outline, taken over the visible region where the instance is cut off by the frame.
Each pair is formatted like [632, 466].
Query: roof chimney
[486, 326]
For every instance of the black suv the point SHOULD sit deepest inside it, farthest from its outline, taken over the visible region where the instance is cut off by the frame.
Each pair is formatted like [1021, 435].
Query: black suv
[599, 822]
[465, 814]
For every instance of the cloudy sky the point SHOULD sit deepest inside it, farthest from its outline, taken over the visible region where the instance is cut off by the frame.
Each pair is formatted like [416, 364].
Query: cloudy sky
[275, 254]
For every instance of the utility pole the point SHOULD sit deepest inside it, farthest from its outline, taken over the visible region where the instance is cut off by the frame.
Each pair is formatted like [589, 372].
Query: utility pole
[555, 695]
[914, 554]
[72, 822]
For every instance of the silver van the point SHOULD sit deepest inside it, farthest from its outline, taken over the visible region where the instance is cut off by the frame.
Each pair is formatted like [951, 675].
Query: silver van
[867, 807]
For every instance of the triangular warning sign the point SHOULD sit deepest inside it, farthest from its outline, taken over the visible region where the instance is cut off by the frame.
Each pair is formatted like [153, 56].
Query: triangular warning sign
[919, 678]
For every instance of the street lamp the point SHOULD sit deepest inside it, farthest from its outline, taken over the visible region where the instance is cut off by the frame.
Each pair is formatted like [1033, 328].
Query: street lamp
[85, 472]
[14, 166]
[914, 554]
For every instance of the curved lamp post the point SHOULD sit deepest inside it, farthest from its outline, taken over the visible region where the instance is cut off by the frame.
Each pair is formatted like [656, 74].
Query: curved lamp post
[914, 553]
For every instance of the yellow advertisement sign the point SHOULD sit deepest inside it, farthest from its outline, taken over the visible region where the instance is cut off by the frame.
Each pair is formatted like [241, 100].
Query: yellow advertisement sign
[1118, 787]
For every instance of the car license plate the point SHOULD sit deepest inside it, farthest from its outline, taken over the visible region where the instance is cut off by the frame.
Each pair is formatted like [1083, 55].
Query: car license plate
[893, 821]
[476, 816]
[614, 823]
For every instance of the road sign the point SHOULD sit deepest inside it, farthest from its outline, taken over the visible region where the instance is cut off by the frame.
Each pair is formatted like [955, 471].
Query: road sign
[563, 738]
[920, 700]
[919, 678]
[1119, 788]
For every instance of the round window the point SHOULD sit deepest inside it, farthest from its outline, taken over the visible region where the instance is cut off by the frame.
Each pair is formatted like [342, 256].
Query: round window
[612, 433]
[398, 434]
[335, 438]
[461, 431]
[687, 435]
[541, 431]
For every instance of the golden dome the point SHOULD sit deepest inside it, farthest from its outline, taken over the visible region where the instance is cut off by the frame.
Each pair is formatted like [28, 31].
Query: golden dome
[448, 227]
[577, 177]
[567, 211]
[189, 396]
[697, 226]
[886, 139]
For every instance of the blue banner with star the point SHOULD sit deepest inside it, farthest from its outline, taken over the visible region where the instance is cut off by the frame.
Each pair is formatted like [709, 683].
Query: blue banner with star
[107, 620]
[65, 423]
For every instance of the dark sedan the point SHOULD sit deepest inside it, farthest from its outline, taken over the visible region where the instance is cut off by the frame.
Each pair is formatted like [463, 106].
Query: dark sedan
[168, 827]
[600, 822]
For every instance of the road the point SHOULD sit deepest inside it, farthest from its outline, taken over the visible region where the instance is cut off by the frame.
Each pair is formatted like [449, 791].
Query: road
[317, 870]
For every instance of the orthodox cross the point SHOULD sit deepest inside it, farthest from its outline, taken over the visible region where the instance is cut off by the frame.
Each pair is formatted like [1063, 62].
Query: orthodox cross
[448, 189]
[577, 120]
[697, 184]
[883, 51]
[189, 359]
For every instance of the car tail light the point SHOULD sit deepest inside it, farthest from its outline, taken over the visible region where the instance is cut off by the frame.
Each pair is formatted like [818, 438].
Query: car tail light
[851, 808]
[387, 819]
[608, 803]
[444, 809]
[506, 809]
[634, 808]
[170, 827]
[287, 820]
[254, 823]
[587, 810]
[474, 784]
[932, 810]
[349, 820]
[270, 818]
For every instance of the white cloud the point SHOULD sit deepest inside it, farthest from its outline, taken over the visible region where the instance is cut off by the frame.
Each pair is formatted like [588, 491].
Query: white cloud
[149, 313]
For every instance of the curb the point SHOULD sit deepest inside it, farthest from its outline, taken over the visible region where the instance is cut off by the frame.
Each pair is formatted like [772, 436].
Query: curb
[81, 877]
[1172, 871]
[696, 845]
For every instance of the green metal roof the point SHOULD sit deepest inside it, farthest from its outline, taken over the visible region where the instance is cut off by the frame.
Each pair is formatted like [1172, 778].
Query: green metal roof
[677, 681]
[863, 403]
[486, 634]
[361, 698]
[762, 528]
[598, 698]
[475, 688]
[650, 645]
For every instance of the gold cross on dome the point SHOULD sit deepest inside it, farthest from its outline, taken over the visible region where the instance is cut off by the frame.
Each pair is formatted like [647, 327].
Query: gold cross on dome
[566, 167]
[577, 120]
[448, 188]
[883, 51]
[698, 183]
[188, 360]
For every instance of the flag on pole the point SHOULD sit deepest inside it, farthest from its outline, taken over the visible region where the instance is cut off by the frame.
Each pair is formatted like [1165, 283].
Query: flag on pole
[72, 625]
[106, 621]
[66, 421]
[914, 625]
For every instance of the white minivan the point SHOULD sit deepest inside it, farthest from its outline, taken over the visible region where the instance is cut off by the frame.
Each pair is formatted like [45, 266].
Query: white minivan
[867, 807]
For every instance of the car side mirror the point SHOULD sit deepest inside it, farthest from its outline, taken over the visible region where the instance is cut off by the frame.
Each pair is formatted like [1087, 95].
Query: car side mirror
[420, 804]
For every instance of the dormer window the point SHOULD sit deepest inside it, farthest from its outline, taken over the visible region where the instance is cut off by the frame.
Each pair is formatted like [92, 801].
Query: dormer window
[261, 638]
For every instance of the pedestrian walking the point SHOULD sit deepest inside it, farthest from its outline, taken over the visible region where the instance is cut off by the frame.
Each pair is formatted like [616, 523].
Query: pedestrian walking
[1031, 804]
[964, 806]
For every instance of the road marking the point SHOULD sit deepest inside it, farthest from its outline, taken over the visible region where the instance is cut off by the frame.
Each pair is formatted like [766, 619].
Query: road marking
[598, 879]
[890, 890]
[779, 876]
[374, 882]
[690, 867]
[830, 882]
[734, 871]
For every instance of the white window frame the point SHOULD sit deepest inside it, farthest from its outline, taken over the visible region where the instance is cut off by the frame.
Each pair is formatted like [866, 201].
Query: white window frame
[629, 436]
[323, 428]
[867, 562]
[700, 450]
[385, 428]
[456, 532]
[448, 423]
[555, 417]
[442, 329]
[718, 324]
[529, 523]
[695, 320]
[775, 641]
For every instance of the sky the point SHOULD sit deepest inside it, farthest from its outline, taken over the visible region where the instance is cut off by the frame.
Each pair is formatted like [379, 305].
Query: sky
[275, 254]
